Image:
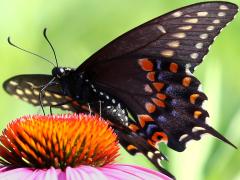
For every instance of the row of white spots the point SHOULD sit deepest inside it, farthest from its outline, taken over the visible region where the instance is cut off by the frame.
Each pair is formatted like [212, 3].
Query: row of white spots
[194, 130]
[173, 44]
[103, 94]
[32, 99]
[200, 13]
[113, 101]
[199, 45]
[151, 155]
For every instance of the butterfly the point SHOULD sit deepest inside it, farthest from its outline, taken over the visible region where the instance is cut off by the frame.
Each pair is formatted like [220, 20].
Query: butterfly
[142, 82]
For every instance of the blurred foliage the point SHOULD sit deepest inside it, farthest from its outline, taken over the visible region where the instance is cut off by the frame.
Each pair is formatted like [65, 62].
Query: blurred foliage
[78, 28]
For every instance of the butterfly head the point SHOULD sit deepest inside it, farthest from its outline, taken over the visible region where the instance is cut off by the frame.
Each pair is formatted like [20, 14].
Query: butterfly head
[60, 72]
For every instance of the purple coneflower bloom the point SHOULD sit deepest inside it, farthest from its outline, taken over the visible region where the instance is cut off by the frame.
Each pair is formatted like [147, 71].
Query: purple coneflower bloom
[64, 147]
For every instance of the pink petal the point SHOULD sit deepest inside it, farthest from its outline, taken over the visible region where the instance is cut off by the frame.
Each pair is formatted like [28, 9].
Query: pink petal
[19, 173]
[108, 172]
[136, 172]
[29, 174]
[50, 174]
[93, 173]
[118, 174]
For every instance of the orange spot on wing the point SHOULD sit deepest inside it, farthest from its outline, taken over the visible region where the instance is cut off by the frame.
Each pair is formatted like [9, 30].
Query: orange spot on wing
[143, 118]
[150, 107]
[197, 114]
[147, 88]
[159, 136]
[173, 67]
[145, 64]
[158, 102]
[131, 147]
[151, 143]
[151, 76]
[133, 127]
[193, 98]
[161, 96]
[186, 81]
[158, 86]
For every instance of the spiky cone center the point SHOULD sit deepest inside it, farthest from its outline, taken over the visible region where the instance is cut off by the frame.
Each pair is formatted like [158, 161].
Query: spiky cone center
[60, 141]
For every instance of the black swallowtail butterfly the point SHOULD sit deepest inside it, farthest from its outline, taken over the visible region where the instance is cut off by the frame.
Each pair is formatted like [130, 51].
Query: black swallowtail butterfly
[146, 72]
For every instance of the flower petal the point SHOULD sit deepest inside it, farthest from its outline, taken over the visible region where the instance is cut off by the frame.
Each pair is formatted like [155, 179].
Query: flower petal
[84, 173]
[119, 174]
[93, 173]
[50, 174]
[15, 174]
[135, 172]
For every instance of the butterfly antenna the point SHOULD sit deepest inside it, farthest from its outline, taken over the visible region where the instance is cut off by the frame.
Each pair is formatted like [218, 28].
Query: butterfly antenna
[45, 36]
[14, 45]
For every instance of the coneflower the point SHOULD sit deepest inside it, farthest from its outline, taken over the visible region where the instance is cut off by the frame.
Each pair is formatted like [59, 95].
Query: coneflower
[64, 147]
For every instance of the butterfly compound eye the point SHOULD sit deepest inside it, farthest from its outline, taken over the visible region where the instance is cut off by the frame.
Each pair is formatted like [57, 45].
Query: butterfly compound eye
[58, 72]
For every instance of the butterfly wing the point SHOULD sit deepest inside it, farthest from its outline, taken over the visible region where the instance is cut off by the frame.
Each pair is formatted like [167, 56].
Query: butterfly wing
[135, 143]
[150, 70]
[28, 87]
[184, 35]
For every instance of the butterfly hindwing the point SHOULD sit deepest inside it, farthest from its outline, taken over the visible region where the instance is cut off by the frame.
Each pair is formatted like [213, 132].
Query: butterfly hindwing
[164, 97]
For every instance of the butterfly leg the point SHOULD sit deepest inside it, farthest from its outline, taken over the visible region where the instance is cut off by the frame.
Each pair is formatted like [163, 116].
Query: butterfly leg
[41, 94]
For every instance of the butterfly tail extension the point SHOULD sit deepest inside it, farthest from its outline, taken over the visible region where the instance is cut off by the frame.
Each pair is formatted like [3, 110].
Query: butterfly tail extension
[134, 143]
[216, 134]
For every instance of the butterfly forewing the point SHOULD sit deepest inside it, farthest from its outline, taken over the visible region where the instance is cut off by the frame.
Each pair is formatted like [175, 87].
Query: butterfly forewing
[184, 35]
[28, 87]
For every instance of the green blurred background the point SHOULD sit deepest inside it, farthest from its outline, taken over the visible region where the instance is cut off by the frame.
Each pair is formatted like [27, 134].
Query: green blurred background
[78, 28]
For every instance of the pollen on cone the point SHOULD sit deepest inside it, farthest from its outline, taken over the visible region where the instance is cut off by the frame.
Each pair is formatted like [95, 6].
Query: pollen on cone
[59, 141]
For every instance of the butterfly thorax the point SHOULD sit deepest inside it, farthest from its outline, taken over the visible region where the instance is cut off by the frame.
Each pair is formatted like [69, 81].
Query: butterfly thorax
[72, 83]
[81, 88]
